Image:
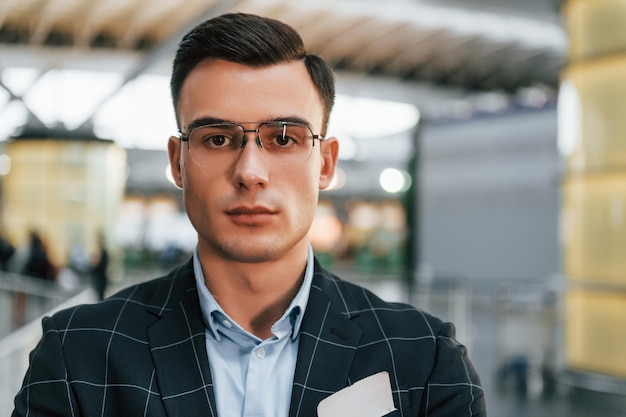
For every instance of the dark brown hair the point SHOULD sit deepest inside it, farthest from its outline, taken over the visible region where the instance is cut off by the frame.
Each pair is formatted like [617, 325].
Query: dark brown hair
[253, 41]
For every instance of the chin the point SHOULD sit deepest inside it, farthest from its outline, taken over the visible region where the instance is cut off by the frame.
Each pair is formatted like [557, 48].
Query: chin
[252, 251]
[259, 249]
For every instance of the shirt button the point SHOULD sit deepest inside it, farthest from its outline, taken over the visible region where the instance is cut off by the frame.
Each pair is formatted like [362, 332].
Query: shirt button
[260, 353]
[227, 323]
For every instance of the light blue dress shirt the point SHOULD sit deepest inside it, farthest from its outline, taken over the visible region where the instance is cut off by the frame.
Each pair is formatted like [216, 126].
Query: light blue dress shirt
[252, 377]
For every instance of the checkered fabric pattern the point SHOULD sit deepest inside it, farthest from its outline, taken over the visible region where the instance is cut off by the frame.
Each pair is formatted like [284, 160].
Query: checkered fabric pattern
[142, 352]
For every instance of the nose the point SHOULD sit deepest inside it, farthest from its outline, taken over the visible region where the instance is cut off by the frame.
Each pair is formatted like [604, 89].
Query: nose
[251, 167]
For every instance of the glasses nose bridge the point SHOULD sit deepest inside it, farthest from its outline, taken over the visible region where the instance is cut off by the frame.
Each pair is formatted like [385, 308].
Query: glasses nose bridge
[257, 136]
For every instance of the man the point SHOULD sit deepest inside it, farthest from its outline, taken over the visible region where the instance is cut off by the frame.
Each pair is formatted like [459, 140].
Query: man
[251, 325]
[7, 250]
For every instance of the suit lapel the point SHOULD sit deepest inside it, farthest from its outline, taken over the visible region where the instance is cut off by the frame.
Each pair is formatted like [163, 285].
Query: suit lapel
[178, 347]
[328, 342]
[327, 345]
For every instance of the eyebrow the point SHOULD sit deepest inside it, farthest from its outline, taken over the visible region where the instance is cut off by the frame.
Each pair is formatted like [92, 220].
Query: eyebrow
[203, 121]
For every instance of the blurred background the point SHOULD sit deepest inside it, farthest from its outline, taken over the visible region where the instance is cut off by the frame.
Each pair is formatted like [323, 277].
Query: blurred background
[482, 173]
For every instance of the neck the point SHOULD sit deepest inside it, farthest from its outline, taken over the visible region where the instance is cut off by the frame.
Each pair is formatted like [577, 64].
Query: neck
[254, 295]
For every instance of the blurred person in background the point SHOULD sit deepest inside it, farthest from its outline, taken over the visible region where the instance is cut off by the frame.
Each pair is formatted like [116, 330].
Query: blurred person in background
[38, 262]
[99, 270]
[7, 250]
[251, 325]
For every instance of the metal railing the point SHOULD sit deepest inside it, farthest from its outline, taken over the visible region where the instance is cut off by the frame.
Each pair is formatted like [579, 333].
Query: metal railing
[23, 303]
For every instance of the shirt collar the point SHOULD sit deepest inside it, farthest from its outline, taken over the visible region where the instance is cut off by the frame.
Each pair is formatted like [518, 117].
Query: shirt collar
[293, 315]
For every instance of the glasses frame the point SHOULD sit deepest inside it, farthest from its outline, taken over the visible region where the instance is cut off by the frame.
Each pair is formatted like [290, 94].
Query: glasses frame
[185, 138]
[244, 141]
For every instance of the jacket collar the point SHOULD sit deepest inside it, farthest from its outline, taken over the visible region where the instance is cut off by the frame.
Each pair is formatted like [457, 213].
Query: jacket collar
[328, 342]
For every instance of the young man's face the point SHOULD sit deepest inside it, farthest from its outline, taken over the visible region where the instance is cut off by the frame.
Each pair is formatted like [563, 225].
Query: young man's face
[251, 208]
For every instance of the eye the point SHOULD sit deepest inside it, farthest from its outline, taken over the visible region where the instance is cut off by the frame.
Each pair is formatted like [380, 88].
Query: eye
[215, 141]
[279, 136]
[215, 137]
[283, 140]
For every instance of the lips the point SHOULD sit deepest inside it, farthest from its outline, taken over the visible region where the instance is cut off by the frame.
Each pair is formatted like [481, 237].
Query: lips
[250, 215]
[249, 211]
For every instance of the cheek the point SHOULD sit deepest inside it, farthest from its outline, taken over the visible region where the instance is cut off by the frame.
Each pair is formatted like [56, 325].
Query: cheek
[305, 193]
[197, 189]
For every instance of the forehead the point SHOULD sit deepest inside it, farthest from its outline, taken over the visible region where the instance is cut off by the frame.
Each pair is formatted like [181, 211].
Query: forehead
[230, 91]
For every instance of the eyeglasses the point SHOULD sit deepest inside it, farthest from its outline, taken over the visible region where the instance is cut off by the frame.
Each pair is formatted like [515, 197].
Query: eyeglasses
[283, 142]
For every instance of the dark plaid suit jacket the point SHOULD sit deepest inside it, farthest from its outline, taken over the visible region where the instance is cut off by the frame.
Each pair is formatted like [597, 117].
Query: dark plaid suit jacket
[142, 352]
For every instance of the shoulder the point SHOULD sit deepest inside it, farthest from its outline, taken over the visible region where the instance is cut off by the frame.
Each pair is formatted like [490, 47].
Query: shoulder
[150, 298]
[368, 310]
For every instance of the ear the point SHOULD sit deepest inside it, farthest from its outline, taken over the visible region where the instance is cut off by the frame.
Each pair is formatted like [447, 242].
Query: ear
[330, 155]
[174, 150]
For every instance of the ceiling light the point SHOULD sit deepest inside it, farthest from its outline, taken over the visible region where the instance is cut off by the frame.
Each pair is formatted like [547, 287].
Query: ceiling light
[366, 118]
[394, 181]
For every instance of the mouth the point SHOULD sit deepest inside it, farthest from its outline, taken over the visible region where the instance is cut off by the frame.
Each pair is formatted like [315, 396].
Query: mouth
[250, 215]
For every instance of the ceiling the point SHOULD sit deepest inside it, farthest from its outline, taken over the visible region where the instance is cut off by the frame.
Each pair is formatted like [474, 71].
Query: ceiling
[471, 44]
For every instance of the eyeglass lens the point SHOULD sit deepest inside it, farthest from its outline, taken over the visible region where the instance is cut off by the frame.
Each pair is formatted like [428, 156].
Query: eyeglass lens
[283, 142]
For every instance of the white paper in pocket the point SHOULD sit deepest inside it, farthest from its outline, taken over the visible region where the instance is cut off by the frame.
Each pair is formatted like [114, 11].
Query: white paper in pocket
[369, 397]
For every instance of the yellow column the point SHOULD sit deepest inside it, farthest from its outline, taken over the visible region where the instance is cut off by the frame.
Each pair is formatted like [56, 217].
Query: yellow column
[592, 139]
[68, 190]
